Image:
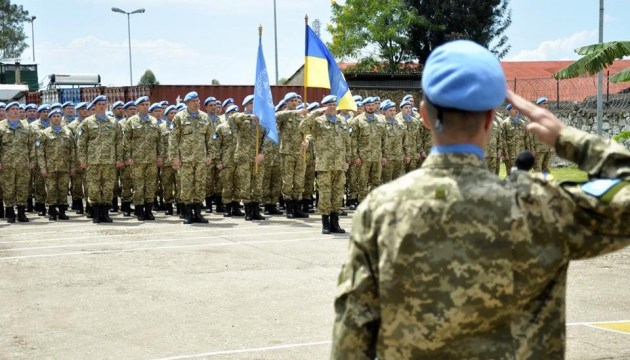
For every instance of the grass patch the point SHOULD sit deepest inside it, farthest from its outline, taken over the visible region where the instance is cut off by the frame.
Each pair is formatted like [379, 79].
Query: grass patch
[571, 173]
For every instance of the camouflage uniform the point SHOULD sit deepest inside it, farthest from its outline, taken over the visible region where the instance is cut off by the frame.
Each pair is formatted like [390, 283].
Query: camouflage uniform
[100, 147]
[451, 263]
[272, 178]
[514, 139]
[368, 144]
[124, 177]
[396, 138]
[78, 188]
[39, 183]
[291, 153]
[225, 145]
[542, 156]
[16, 153]
[169, 183]
[413, 141]
[213, 182]
[493, 149]
[248, 175]
[309, 178]
[352, 175]
[56, 154]
[142, 143]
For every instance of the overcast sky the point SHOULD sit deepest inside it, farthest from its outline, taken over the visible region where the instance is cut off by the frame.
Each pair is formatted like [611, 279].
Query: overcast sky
[195, 41]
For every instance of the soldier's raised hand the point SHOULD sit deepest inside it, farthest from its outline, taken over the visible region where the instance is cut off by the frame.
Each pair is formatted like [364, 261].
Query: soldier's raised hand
[543, 123]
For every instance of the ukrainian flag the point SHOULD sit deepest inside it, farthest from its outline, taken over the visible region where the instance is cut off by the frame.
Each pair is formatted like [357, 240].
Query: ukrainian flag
[321, 71]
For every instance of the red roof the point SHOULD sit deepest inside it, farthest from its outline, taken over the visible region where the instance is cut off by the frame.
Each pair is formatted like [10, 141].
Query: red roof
[546, 69]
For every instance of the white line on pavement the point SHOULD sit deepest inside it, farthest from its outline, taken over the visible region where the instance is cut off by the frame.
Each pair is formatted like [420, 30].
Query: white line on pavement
[597, 322]
[606, 329]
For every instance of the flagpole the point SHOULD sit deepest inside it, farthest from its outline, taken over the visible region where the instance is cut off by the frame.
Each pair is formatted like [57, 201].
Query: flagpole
[257, 125]
[305, 81]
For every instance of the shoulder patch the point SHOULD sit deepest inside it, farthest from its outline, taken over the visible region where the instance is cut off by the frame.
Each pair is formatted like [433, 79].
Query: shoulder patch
[80, 132]
[38, 143]
[604, 189]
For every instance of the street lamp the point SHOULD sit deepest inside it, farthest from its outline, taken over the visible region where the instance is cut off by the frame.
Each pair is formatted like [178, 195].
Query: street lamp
[139, 11]
[32, 20]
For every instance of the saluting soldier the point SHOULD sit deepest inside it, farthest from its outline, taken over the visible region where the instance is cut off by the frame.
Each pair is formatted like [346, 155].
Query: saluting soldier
[17, 160]
[191, 153]
[544, 153]
[56, 156]
[514, 137]
[100, 152]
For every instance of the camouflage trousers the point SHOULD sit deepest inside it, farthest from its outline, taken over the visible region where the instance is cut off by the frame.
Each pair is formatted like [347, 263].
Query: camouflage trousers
[57, 187]
[309, 179]
[39, 186]
[493, 164]
[15, 183]
[271, 184]
[510, 162]
[100, 179]
[78, 185]
[392, 170]
[169, 184]
[293, 169]
[369, 177]
[193, 182]
[542, 161]
[249, 182]
[126, 185]
[331, 184]
[413, 165]
[352, 176]
[117, 187]
[144, 180]
[228, 176]
[213, 182]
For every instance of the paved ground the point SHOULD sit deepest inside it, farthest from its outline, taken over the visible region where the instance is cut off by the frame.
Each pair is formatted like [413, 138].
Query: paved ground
[228, 290]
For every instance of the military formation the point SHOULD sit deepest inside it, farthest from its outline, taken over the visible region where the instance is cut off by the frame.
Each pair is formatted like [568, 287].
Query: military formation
[191, 159]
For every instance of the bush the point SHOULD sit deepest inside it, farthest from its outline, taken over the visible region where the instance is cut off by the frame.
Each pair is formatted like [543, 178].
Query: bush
[622, 136]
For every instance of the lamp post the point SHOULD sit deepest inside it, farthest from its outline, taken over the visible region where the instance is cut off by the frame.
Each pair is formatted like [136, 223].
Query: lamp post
[138, 11]
[32, 20]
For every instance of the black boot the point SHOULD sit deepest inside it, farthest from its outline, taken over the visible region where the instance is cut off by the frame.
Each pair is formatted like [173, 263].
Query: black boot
[1, 210]
[73, 207]
[169, 209]
[79, 207]
[52, 213]
[273, 210]
[187, 214]
[198, 217]
[325, 224]
[290, 210]
[304, 206]
[219, 203]
[267, 209]
[88, 210]
[179, 208]
[41, 208]
[114, 207]
[342, 212]
[236, 211]
[29, 205]
[156, 205]
[126, 208]
[62, 212]
[248, 211]
[148, 215]
[162, 206]
[21, 216]
[105, 213]
[209, 204]
[353, 204]
[281, 203]
[94, 212]
[10, 213]
[297, 211]
[256, 212]
[228, 210]
[334, 224]
[139, 212]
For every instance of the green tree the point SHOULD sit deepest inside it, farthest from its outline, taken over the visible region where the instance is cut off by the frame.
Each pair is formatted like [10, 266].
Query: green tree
[215, 82]
[439, 21]
[148, 78]
[597, 57]
[371, 30]
[12, 18]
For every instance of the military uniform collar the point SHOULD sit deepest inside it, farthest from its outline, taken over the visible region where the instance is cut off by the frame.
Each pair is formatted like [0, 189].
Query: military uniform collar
[453, 161]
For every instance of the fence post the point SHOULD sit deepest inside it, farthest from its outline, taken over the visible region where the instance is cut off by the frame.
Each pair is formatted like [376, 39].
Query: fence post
[607, 85]
[514, 85]
[557, 93]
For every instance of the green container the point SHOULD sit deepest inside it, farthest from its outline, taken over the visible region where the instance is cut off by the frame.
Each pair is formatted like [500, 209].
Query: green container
[28, 75]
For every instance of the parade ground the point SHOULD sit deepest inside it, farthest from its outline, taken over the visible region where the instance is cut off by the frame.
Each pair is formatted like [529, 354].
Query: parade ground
[227, 290]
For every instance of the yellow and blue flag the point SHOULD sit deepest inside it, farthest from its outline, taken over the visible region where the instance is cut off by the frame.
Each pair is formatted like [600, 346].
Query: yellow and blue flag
[263, 100]
[321, 71]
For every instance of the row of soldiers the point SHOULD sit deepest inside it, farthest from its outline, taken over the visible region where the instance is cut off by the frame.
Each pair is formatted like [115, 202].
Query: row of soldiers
[162, 150]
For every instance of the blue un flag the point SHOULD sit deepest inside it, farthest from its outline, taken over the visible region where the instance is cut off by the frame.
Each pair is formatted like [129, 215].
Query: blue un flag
[263, 101]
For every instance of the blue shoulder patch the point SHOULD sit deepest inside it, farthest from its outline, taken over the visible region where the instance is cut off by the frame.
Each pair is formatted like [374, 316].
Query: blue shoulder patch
[600, 187]
[38, 143]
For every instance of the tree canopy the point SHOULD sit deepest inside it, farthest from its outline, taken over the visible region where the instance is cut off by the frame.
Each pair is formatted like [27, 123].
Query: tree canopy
[597, 57]
[148, 78]
[12, 37]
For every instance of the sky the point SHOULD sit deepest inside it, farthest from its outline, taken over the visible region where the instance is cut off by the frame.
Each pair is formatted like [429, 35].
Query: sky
[191, 42]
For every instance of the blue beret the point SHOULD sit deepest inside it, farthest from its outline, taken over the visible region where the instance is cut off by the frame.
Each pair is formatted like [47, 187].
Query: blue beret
[357, 98]
[13, 103]
[541, 100]
[81, 105]
[376, 98]
[389, 105]
[359, 104]
[211, 98]
[328, 99]
[231, 108]
[170, 108]
[129, 104]
[508, 107]
[280, 105]
[43, 107]
[28, 107]
[312, 106]
[67, 103]
[55, 105]
[89, 105]
[407, 97]
[99, 99]
[290, 96]
[2, 105]
[464, 75]
[181, 106]
[384, 103]
[227, 102]
[117, 104]
[141, 99]
[22, 107]
[300, 107]
[368, 100]
[56, 111]
[415, 109]
[218, 102]
[164, 103]
[191, 96]
[405, 103]
[248, 99]
[155, 106]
